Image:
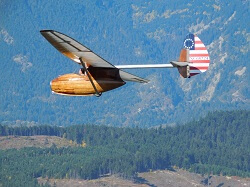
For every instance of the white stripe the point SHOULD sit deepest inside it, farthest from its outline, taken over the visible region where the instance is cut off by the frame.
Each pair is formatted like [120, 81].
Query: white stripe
[196, 38]
[201, 58]
[199, 45]
[198, 64]
[197, 71]
[198, 52]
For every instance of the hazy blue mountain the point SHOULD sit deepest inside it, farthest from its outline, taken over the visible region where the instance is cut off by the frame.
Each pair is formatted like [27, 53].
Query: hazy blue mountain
[123, 32]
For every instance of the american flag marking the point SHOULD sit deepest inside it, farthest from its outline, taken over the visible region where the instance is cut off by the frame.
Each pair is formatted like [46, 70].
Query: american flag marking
[198, 55]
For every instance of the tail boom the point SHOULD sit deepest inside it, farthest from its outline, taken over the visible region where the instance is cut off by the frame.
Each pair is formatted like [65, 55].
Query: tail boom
[194, 59]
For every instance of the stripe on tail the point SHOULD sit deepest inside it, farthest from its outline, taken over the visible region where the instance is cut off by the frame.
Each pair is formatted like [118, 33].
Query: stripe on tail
[198, 56]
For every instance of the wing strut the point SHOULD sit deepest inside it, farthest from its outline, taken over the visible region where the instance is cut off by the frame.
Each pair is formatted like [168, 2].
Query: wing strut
[97, 94]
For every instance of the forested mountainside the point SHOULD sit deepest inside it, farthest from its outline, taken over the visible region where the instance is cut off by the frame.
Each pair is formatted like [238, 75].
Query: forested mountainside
[122, 32]
[216, 144]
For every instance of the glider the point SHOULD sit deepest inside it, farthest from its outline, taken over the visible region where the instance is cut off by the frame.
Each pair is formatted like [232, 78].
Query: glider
[98, 75]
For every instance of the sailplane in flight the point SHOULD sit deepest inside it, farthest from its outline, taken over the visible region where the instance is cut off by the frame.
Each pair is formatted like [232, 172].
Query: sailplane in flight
[98, 75]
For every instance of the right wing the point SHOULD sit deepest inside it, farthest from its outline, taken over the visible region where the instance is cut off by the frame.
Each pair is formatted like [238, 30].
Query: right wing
[130, 77]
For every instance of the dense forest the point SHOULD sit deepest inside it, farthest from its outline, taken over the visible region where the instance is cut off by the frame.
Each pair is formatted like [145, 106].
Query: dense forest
[217, 144]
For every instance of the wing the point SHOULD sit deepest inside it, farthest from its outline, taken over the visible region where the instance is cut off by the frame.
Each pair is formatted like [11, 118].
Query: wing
[74, 50]
[130, 77]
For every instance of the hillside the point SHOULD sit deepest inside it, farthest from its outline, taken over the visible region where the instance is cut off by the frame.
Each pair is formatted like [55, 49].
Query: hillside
[160, 178]
[122, 32]
[217, 144]
[18, 142]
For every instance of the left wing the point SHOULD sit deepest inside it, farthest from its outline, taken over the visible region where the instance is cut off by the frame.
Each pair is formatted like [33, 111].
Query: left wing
[74, 50]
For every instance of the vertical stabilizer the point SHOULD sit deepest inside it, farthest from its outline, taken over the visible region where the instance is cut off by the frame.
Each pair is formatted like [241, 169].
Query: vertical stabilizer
[197, 54]
[184, 55]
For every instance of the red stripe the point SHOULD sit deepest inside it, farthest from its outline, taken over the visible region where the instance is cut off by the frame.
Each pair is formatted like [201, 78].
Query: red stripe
[198, 68]
[198, 55]
[192, 74]
[198, 42]
[200, 61]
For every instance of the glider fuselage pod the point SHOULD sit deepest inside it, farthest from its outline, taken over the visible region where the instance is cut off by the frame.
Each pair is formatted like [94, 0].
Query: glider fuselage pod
[104, 79]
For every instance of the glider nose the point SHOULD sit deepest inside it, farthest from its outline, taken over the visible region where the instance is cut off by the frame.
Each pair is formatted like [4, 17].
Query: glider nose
[52, 86]
[56, 85]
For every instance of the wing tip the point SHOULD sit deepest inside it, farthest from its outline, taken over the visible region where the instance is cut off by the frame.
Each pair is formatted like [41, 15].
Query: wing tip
[46, 30]
[144, 81]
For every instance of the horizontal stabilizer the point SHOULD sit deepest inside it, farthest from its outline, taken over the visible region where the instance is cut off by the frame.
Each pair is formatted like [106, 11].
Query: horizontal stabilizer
[179, 64]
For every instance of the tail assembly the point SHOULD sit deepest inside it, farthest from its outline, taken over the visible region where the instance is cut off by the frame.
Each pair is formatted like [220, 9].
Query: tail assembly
[194, 58]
